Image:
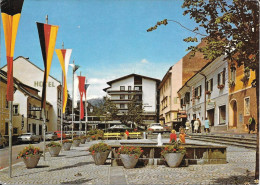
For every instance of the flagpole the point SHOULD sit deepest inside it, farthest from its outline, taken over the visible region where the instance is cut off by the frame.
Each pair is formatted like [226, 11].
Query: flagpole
[73, 98]
[43, 114]
[62, 83]
[10, 136]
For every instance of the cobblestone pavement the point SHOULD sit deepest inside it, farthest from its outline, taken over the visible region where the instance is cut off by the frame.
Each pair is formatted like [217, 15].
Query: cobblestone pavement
[77, 167]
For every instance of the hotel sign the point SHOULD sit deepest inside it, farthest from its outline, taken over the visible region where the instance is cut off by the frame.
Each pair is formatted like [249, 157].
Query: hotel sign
[39, 84]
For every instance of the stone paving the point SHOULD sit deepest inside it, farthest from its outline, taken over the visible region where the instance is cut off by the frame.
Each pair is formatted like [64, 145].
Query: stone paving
[77, 167]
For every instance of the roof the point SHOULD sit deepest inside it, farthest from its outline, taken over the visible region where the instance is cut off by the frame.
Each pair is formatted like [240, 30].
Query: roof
[21, 86]
[27, 59]
[133, 74]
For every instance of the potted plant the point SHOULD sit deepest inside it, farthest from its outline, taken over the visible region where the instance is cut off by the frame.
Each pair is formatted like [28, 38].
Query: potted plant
[54, 148]
[221, 86]
[129, 155]
[173, 154]
[31, 156]
[88, 138]
[67, 144]
[83, 139]
[76, 141]
[100, 152]
[208, 92]
[231, 83]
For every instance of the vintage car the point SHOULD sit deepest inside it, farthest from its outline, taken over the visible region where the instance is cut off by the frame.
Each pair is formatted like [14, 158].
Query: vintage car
[155, 128]
[51, 136]
[29, 137]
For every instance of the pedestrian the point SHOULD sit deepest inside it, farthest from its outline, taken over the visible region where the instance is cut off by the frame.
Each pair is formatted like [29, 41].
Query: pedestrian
[251, 124]
[199, 130]
[173, 136]
[126, 134]
[196, 125]
[182, 136]
[192, 125]
[187, 124]
[207, 125]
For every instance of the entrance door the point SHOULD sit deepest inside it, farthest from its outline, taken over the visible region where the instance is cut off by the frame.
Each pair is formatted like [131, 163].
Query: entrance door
[40, 130]
[211, 116]
[234, 114]
[34, 128]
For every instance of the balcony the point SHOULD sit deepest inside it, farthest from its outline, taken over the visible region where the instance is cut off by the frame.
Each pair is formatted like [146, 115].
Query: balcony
[125, 92]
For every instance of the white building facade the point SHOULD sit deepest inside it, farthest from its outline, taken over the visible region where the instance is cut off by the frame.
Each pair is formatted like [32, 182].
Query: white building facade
[31, 75]
[206, 94]
[144, 89]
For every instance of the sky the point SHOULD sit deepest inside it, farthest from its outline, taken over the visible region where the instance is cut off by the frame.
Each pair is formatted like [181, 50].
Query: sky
[108, 38]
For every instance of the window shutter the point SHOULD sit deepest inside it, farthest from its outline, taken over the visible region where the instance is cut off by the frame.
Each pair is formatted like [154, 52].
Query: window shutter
[211, 84]
[219, 79]
[200, 89]
[224, 71]
[207, 86]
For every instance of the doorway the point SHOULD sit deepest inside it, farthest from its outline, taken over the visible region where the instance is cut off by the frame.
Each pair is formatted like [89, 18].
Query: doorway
[211, 113]
[234, 108]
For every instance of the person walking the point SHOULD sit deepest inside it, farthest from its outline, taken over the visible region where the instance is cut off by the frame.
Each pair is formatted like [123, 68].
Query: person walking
[173, 136]
[196, 125]
[206, 125]
[199, 130]
[187, 126]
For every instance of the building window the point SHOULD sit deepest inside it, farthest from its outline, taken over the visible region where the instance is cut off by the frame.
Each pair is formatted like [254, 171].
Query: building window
[222, 114]
[137, 88]
[122, 97]
[29, 128]
[129, 97]
[221, 78]
[129, 88]
[122, 106]
[15, 130]
[209, 85]
[122, 88]
[187, 98]
[233, 74]
[247, 106]
[175, 100]
[16, 109]
[198, 91]
[6, 104]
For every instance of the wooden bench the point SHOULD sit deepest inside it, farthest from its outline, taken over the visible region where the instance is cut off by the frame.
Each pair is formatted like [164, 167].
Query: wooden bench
[136, 135]
[112, 135]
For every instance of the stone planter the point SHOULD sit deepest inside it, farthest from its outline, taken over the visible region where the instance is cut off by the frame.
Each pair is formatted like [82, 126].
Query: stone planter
[100, 157]
[31, 161]
[128, 161]
[66, 146]
[88, 139]
[82, 141]
[54, 151]
[76, 143]
[173, 159]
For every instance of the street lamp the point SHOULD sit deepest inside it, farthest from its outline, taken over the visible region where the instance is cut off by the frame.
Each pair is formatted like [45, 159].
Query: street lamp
[75, 68]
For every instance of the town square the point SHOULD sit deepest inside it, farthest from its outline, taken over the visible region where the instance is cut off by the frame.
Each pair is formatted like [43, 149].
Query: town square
[129, 92]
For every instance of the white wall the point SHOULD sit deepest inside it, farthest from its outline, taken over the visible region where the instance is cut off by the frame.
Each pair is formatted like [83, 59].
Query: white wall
[124, 82]
[149, 95]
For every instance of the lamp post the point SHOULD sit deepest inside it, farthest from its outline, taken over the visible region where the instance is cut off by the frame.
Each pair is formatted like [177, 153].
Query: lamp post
[75, 67]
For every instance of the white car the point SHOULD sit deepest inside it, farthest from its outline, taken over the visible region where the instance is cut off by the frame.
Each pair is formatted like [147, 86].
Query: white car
[155, 127]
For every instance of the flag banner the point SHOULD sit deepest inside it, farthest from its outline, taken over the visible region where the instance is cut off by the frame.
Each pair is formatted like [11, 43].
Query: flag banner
[11, 12]
[64, 58]
[76, 87]
[81, 92]
[47, 35]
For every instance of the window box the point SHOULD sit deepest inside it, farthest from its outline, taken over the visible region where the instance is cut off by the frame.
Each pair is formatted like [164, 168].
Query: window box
[197, 97]
[221, 86]
[231, 83]
[208, 92]
[184, 105]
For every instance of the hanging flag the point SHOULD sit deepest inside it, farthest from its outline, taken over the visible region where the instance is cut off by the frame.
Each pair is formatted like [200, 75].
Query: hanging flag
[11, 12]
[81, 92]
[47, 36]
[64, 58]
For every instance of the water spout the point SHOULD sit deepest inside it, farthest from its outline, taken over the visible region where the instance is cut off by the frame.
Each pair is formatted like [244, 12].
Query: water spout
[159, 139]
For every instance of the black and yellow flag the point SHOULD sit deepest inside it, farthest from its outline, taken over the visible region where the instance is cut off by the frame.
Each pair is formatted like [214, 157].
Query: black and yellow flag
[11, 12]
[47, 36]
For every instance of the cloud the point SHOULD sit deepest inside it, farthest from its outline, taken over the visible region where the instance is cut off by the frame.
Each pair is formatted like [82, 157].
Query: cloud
[144, 61]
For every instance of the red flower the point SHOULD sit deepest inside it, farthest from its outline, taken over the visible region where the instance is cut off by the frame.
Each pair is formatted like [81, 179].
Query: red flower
[174, 149]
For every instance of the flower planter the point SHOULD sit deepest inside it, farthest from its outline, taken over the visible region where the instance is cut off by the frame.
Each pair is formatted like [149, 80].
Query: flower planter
[100, 157]
[129, 161]
[82, 141]
[54, 151]
[31, 161]
[76, 143]
[66, 146]
[173, 159]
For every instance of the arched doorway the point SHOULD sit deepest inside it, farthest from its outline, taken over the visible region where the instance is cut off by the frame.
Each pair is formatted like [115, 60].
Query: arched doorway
[233, 113]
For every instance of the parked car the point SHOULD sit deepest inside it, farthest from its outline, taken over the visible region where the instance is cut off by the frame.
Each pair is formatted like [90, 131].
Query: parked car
[155, 127]
[29, 137]
[167, 128]
[59, 134]
[3, 141]
[51, 136]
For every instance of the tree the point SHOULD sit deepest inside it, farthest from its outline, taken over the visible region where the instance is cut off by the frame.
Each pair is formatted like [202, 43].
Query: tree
[134, 114]
[106, 110]
[232, 29]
